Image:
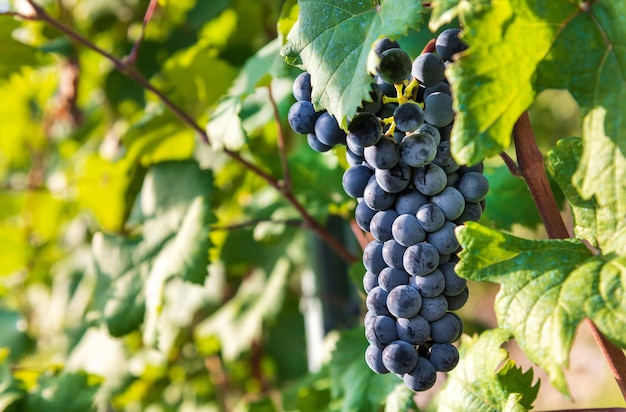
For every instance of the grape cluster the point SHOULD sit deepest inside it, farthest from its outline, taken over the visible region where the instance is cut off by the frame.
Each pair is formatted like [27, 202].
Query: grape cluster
[411, 195]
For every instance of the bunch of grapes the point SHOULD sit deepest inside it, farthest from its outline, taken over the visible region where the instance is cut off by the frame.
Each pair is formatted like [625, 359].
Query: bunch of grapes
[411, 195]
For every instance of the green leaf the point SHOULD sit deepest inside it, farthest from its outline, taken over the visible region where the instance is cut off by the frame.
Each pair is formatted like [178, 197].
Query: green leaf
[174, 213]
[507, 42]
[486, 380]
[594, 75]
[239, 322]
[64, 392]
[13, 54]
[358, 387]
[332, 40]
[593, 222]
[444, 11]
[11, 391]
[224, 127]
[548, 288]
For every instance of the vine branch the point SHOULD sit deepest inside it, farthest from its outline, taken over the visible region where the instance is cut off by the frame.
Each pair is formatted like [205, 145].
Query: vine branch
[531, 168]
[126, 67]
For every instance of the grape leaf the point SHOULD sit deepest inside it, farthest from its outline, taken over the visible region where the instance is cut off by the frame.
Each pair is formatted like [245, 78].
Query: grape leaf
[521, 47]
[174, 215]
[485, 379]
[593, 222]
[332, 40]
[444, 11]
[11, 390]
[239, 322]
[548, 288]
[13, 54]
[224, 127]
[358, 387]
[63, 392]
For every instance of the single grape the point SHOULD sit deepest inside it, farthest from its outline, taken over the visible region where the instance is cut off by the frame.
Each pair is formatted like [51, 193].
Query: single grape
[414, 330]
[394, 65]
[357, 150]
[430, 217]
[394, 180]
[473, 186]
[389, 278]
[404, 301]
[408, 116]
[454, 283]
[409, 201]
[363, 215]
[383, 44]
[422, 377]
[420, 259]
[433, 308]
[399, 357]
[302, 117]
[376, 301]
[355, 179]
[453, 180]
[430, 285]
[471, 213]
[432, 131]
[373, 257]
[301, 87]
[450, 201]
[376, 197]
[315, 144]
[353, 159]
[447, 329]
[443, 356]
[364, 130]
[428, 68]
[418, 149]
[328, 131]
[442, 87]
[374, 359]
[430, 179]
[382, 155]
[407, 231]
[393, 254]
[444, 158]
[458, 301]
[444, 239]
[380, 226]
[438, 109]
[381, 331]
[448, 43]
[370, 281]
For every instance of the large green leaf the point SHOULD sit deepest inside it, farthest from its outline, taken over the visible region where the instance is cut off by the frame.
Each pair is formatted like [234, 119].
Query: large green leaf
[174, 214]
[13, 54]
[521, 47]
[593, 222]
[225, 128]
[548, 288]
[64, 392]
[332, 40]
[240, 321]
[486, 380]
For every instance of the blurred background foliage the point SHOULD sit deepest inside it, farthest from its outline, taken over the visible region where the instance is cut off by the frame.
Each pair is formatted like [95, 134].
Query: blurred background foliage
[141, 270]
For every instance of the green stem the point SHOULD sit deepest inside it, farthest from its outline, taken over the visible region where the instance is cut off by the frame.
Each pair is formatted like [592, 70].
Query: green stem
[531, 168]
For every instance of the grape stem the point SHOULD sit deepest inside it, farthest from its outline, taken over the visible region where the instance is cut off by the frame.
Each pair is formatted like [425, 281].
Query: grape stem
[126, 66]
[531, 168]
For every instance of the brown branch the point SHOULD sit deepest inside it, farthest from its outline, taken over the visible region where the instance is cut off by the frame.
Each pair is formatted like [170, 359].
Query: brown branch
[129, 70]
[510, 163]
[531, 167]
[132, 56]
